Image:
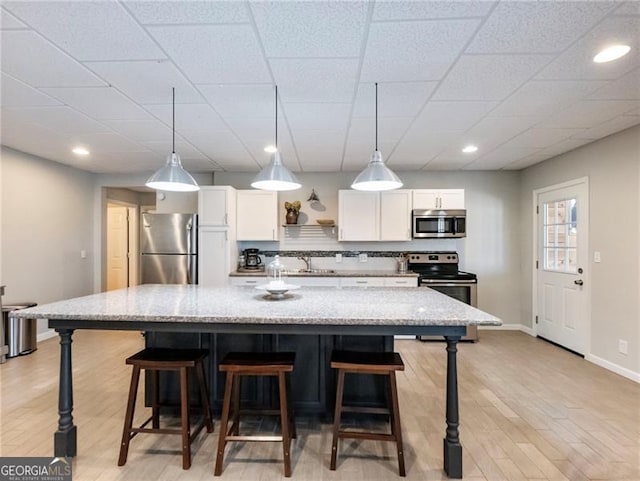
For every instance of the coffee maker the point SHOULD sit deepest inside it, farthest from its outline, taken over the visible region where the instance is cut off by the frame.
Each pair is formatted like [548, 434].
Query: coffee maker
[252, 260]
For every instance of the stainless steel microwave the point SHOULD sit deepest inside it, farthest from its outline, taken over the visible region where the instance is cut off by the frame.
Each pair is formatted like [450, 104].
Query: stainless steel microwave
[438, 223]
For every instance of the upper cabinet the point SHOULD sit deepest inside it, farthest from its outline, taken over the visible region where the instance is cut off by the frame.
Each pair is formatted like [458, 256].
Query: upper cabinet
[375, 216]
[358, 215]
[395, 215]
[438, 199]
[257, 215]
[217, 205]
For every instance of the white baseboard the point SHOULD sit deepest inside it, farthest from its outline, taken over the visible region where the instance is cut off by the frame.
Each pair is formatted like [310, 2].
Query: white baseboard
[509, 327]
[623, 371]
[48, 334]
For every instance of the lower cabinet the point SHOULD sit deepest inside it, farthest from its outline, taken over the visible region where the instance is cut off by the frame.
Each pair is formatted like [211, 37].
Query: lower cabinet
[313, 382]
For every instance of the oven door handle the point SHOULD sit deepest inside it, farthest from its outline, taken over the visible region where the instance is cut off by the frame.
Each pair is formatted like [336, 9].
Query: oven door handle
[448, 283]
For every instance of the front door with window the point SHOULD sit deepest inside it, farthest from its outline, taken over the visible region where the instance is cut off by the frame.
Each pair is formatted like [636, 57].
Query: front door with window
[562, 294]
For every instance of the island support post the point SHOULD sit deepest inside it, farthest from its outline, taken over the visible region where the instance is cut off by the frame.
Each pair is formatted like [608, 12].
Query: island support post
[64, 439]
[451, 442]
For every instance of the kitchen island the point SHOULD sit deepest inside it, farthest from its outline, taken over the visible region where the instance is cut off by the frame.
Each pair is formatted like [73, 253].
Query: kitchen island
[316, 311]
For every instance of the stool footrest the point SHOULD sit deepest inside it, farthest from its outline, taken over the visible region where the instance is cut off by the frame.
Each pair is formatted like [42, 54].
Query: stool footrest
[365, 410]
[256, 438]
[368, 435]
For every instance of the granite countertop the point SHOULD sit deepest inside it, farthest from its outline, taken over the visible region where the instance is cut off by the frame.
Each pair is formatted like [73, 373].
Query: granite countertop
[245, 305]
[336, 273]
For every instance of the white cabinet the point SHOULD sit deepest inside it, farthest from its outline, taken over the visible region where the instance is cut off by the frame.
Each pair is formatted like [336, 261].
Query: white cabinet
[395, 215]
[216, 256]
[217, 205]
[358, 215]
[257, 215]
[362, 282]
[438, 199]
[315, 281]
[248, 281]
[401, 282]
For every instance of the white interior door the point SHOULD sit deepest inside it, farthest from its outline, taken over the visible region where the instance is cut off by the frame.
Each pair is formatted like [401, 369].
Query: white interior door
[117, 247]
[562, 278]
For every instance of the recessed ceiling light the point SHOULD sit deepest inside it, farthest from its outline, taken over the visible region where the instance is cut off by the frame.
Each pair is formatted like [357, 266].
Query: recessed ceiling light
[271, 149]
[80, 151]
[611, 53]
[469, 149]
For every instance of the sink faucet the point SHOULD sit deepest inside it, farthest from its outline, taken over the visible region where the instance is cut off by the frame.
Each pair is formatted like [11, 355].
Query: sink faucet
[307, 261]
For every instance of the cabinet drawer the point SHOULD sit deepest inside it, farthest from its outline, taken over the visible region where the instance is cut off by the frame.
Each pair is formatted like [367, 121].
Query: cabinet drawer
[401, 282]
[362, 282]
[248, 281]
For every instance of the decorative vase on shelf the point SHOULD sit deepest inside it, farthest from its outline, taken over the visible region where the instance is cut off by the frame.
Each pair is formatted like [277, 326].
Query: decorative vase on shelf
[292, 217]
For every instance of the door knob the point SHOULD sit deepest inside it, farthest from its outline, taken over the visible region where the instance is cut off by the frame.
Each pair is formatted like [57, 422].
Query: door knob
[579, 282]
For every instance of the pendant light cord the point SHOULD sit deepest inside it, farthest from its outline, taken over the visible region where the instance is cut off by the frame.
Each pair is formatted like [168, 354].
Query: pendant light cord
[173, 125]
[376, 115]
[276, 117]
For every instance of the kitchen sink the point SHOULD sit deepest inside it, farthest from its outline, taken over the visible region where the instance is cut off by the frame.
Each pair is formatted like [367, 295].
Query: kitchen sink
[311, 271]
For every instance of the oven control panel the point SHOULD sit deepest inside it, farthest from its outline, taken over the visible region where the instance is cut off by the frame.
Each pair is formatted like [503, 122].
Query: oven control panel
[433, 258]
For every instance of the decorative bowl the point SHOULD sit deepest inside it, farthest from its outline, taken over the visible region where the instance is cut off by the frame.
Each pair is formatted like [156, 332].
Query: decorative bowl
[325, 221]
[277, 291]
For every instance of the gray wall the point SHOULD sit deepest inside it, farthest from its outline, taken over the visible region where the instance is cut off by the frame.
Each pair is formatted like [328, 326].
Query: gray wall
[491, 248]
[47, 212]
[613, 167]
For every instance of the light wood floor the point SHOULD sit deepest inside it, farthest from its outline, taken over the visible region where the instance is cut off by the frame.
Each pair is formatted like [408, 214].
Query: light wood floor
[529, 411]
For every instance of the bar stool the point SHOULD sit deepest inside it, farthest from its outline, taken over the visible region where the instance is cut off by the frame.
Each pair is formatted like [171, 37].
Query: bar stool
[238, 364]
[379, 363]
[160, 359]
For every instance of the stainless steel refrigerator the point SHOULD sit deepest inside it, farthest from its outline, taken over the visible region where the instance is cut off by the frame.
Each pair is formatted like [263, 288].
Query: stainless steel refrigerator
[169, 249]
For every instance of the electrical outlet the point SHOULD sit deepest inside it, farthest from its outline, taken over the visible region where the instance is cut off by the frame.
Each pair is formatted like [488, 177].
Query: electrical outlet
[338, 258]
[596, 256]
[623, 346]
[362, 257]
[83, 254]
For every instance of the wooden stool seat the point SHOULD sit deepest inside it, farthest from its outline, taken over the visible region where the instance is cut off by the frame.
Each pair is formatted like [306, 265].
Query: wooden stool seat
[379, 363]
[160, 359]
[238, 364]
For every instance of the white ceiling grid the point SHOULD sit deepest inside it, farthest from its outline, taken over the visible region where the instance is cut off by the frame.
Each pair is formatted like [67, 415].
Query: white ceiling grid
[515, 78]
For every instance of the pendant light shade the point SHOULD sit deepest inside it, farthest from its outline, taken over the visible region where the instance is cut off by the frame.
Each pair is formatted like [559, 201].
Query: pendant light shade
[376, 176]
[173, 177]
[276, 176]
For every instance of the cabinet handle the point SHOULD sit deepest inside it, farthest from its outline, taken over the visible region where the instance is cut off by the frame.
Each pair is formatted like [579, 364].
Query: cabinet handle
[250, 282]
[273, 234]
[226, 219]
[361, 282]
[401, 282]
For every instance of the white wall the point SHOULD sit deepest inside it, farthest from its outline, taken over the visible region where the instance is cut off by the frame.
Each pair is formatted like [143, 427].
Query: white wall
[47, 212]
[491, 248]
[613, 167]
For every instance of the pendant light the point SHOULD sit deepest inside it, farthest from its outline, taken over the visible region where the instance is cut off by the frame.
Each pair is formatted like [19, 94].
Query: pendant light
[173, 177]
[276, 176]
[376, 176]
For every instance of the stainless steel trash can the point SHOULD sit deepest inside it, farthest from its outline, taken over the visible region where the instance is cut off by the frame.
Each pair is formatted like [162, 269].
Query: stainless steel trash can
[20, 334]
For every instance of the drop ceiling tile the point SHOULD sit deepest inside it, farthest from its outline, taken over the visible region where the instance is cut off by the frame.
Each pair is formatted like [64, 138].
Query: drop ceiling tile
[147, 82]
[629, 8]
[492, 131]
[59, 119]
[105, 142]
[200, 165]
[544, 137]
[214, 54]
[501, 157]
[625, 88]
[488, 77]
[536, 27]
[311, 29]
[357, 154]
[100, 103]
[199, 12]
[527, 161]
[114, 34]
[609, 127]
[192, 117]
[248, 100]
[577, 61]
[287, 152]
[317, 116]
[216, 144]
[412, 10]
[451, 115]
[390, 129]
[315, 80]
[236, 162]
[14, 93]
[587, 113]
[262, 129]
[126, 162]
[319, 150]
[141, 130]
[564, 146]
[32, 138]
[29, 57]
[184, 149]
[396, 99]
[446, 164]
[8, 21]
[409, 51]
[543, 97]
[419, 147]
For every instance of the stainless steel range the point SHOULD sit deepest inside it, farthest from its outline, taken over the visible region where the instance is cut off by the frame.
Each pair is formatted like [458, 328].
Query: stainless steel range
[439, 270]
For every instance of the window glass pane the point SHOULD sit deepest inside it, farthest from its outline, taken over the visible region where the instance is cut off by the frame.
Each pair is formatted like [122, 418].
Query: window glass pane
[550, 236]
[560, 235]
[549, 213]
[550, 259]
[573, 260]
[561, 263]
[573, 219]
[561, 213]
[573, 237]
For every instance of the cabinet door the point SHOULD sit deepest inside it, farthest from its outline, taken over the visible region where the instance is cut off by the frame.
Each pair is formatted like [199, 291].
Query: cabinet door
[216, 205]
[425, 199]
[401, 282]
[214, 259]
[395, 215]
[248, 281]
[257, 215]
[362, 282]
[452, 199]
[359, 215]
